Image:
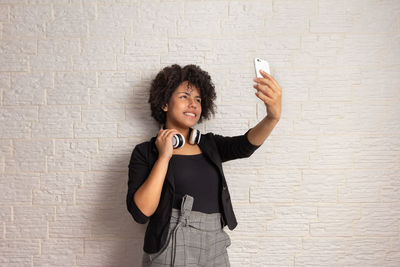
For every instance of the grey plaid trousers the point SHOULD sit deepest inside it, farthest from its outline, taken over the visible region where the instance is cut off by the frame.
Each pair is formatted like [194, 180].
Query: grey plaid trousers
[194, 239]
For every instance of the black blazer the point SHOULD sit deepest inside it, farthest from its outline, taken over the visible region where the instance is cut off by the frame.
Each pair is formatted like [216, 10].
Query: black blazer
[216, 147]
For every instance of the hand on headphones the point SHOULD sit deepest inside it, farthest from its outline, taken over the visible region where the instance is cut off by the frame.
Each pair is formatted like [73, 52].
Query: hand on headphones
[164, 142]
[179, 140]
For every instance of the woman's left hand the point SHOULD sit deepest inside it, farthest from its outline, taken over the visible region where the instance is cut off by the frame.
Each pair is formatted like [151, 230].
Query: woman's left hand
[269, 91]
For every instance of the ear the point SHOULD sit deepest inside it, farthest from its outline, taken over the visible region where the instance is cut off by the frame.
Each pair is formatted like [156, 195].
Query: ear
[165, 107]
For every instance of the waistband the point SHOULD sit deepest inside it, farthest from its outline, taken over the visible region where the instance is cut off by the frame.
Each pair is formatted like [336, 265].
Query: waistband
[185, 216]
[199, 220]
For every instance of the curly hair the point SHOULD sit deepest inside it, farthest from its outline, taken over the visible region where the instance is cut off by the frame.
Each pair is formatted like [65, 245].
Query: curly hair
[169, 79]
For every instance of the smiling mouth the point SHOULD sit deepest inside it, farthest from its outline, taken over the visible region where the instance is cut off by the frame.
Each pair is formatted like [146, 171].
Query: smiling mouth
[190, 116]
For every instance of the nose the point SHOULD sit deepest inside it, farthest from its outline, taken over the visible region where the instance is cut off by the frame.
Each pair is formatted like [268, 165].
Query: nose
[192, 100]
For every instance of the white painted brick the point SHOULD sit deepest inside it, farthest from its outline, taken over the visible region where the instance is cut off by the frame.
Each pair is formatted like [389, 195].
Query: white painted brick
[20, 94]
[393, 255]
[340, 23]
[103, 113]
[378, 220]
[201, 27]
[340, 7]
[19, 251]
[365, 251]
[95, 130]
[144, 46]
[136, 63]
[392, 55]
[57, 189]
[17, 188]
[318, 50]
[389, 123]
[96, 62]
[13, 1]
[71, 88]
[319, 251]
[13, 62]
[190, 44]
[239, 181]
[5, 215]
[58, 46]
[54, 114]
[18, 114]
[258, 9]
[113, 20]
[52, 129]
[290, 16]
[378, 16]
[369, 91]
[4, 80]
[252, 218]
[62, 246]
[15, 129]
[41, 2]
[111, 189]
[109, 149]
[272, 193]
[102, 46]
[363, 50]
[211, 9]
[319, 186]
[145, 25]
[331, 229]
[101, 253]
[4, 11]
[243, 25]
[72, 155]
[51, 63]
[61, 259]
[27, 21]
[27, 47]
[5, 147]
[114, 221]
[74, 86]
[136, 128]
[29, 155]
[113, 88]
[71, 20]
[30, 222]
[71, 221]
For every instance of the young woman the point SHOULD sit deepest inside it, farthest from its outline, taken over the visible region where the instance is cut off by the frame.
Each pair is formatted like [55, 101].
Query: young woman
[182, 192]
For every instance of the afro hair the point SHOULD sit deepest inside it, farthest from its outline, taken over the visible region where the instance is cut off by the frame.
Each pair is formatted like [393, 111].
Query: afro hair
[169, 79]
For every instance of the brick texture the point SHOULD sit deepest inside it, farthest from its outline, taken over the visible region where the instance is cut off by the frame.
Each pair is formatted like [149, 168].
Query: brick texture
[323, 190]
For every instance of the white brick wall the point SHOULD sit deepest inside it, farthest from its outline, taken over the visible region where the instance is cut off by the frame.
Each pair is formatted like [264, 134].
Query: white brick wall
[323, 190]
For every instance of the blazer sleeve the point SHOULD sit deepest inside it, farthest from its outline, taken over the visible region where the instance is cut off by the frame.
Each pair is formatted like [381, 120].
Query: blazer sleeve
[234, 147]
[138, 172]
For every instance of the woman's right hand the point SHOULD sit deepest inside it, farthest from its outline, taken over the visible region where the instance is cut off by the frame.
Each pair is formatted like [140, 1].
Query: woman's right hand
[164, 142]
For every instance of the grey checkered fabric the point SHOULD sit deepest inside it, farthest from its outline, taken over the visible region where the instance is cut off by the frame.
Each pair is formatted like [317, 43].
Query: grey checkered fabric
[194, 239]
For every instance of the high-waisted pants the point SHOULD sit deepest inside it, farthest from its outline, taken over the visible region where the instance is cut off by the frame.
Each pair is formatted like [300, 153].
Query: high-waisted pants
[194, 239]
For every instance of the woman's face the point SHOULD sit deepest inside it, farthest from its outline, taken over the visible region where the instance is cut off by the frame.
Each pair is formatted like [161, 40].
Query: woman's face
[185, 99]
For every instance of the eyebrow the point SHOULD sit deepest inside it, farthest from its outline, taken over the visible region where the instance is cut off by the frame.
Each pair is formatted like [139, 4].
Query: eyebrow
[188, 94]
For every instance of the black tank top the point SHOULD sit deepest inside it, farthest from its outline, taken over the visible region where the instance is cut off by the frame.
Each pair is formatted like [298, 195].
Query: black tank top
[195, 175]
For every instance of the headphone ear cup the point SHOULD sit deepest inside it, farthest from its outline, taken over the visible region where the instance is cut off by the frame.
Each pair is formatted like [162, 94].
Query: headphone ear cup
[178, 140]
[194, 137]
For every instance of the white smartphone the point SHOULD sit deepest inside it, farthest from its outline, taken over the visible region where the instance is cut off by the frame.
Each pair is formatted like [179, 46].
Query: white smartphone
[261, 64]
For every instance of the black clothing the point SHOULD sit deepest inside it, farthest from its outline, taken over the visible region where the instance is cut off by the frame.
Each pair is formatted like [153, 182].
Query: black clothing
[216, 148]
[196, 176]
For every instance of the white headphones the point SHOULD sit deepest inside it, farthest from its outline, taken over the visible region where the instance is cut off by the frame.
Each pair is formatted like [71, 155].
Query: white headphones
[179, 140]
